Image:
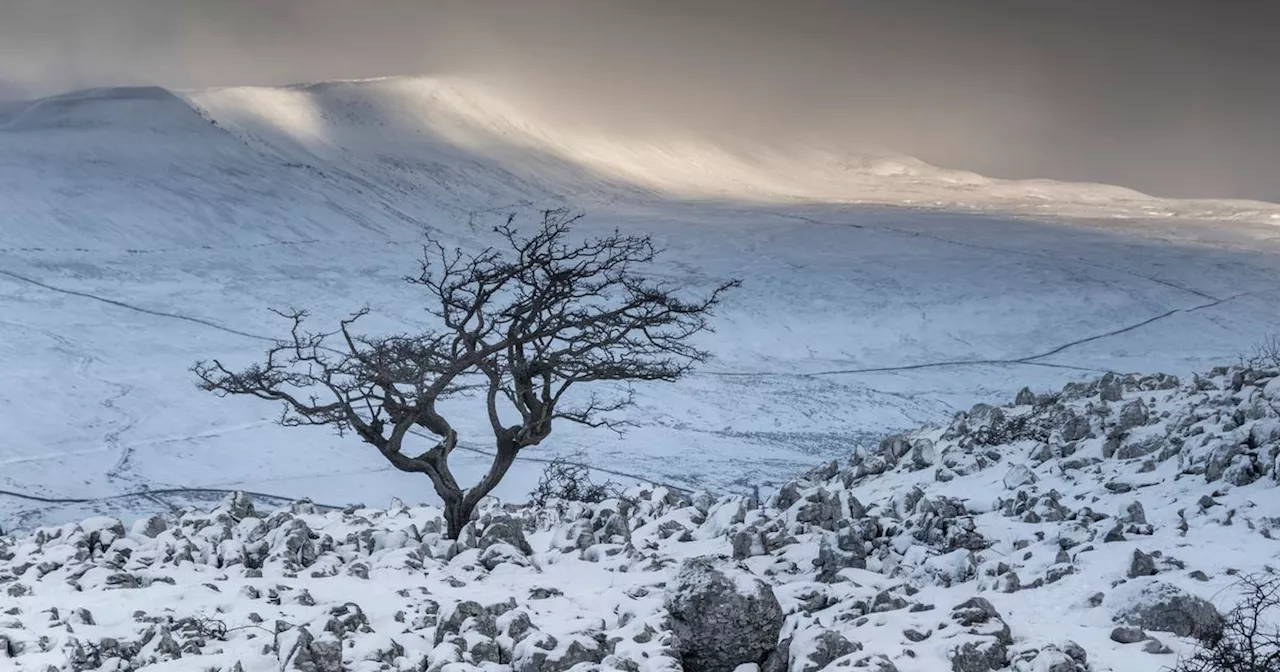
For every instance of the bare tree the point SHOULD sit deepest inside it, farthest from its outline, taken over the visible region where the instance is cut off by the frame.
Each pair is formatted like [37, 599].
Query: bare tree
[1248, 640]
[519, 325]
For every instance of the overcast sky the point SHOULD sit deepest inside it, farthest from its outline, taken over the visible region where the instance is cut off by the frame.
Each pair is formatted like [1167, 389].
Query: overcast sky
[1177, 97]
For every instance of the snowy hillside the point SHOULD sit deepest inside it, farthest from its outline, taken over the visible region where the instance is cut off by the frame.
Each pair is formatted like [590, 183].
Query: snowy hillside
[224, 167]
[1095, 529]
[142, 229]
[474, 140]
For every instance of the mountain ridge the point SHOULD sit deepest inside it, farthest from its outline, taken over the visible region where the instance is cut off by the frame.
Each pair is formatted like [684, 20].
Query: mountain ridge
[458, 144]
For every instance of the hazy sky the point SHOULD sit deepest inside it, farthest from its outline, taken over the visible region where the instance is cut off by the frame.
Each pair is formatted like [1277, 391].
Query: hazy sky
[1177, 97]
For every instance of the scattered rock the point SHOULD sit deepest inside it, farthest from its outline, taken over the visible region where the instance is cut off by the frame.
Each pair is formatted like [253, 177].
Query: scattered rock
[841, 567]
[1133, 414]
[1125, 635]
[1141, 565]
[825, 649]
[505, 530]
[1019, 476]
[544, 653]
[990, 651]
[915, 636]
[1156, 647]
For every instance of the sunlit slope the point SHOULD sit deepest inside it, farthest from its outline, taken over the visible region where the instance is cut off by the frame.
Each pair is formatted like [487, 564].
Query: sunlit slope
[145, 168]
[462, 136]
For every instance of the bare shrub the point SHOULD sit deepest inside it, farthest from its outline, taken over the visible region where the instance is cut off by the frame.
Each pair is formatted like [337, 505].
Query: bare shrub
[1249, 638]
[1266, 353]
[569, 480]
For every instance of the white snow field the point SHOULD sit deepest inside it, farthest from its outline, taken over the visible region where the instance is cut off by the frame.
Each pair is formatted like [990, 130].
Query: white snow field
[143, 229]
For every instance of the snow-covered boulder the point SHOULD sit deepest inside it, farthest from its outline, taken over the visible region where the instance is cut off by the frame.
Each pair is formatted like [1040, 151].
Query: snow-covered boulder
[1019, 475]
[1065, 657]
[722, 615]
[987, 640]
[1163, 607]
[544, 653]
[504, 530]
[820, 648]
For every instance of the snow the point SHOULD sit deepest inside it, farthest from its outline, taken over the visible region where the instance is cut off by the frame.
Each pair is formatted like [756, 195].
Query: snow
[144, 229]
[391, 592]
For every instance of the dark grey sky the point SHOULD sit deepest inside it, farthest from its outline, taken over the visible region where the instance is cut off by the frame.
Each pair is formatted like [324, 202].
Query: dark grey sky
[1176, 97]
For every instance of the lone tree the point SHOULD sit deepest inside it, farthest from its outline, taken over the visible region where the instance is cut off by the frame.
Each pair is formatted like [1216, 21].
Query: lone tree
[520, 324]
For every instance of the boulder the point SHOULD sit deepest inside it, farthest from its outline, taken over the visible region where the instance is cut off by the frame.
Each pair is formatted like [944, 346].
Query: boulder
[1075, 427]
[824, 649]
[1128, 635]
[505, 530]
[990, 651]
[722, 615]
[841, 550]
[543, 653]
[1165, 608]
[1142, 564]
[300, 651]
[1019, 475]
[923, 454]
[1133, 414]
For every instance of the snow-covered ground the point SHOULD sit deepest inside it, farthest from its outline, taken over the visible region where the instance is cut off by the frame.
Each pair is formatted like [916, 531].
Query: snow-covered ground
[141, 230]
[1088, 530]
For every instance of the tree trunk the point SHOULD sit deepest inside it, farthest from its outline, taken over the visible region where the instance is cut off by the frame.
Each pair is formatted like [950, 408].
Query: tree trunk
[457, 511]
[456, 516]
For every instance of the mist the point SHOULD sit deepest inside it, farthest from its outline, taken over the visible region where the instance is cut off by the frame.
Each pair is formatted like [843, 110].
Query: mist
[1172, 97]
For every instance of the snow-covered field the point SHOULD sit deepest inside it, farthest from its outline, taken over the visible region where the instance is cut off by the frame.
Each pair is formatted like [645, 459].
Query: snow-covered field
[141, 230]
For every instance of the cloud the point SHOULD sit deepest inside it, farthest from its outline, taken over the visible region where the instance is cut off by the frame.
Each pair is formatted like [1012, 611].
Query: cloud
[1162, 95]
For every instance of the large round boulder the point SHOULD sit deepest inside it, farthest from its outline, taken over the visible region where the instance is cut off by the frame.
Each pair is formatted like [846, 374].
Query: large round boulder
[722, 615]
